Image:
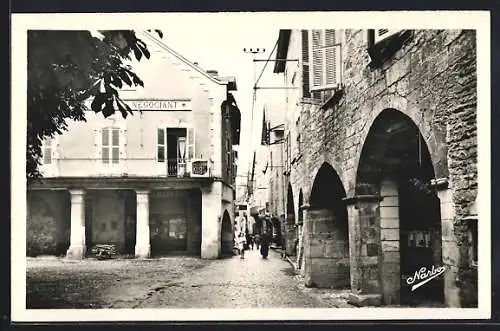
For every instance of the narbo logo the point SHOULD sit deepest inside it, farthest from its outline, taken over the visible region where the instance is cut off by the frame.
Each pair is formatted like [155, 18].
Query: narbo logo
[424, 276]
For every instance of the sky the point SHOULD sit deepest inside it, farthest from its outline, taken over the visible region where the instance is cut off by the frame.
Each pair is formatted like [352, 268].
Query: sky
[222, 50]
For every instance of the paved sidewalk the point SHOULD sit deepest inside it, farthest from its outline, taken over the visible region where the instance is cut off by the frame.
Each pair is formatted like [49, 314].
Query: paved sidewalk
[180, 282]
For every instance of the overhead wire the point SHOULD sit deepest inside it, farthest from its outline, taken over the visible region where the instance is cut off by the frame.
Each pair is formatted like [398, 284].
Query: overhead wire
[254, 97]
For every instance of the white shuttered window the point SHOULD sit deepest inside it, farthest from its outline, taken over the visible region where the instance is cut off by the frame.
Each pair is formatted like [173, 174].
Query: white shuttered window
[110, 143]
[325, 66]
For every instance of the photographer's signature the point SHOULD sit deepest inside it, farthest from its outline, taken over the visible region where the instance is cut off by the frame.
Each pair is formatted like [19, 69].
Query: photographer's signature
[423, 275]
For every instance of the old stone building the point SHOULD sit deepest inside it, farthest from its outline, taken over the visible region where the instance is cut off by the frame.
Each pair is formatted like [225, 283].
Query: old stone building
[160, 181]
[383, 153]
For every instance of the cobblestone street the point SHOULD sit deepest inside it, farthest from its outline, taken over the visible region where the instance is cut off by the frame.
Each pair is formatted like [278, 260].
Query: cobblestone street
[180, 282]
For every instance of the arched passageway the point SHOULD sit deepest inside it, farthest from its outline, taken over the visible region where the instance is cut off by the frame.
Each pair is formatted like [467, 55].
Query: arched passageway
[227, 235]
[327, 237]
[291, 249]
[405, 222]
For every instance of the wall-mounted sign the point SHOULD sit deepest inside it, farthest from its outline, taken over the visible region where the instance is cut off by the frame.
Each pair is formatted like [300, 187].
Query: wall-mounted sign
[166, 105]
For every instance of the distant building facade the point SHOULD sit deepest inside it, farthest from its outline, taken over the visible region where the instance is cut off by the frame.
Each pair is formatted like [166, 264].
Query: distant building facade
[160, 181]
[381, 165]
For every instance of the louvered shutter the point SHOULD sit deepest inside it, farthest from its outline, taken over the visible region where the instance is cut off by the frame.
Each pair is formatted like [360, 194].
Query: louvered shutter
[330, 57]
[381, 34]
[190, 143]
[325, 65]
[317, 54]
[115, 145]
[47, 149]
[306, 93]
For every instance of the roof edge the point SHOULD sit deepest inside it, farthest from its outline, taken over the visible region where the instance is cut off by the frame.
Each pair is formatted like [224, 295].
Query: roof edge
[282, 52]
[229, 81]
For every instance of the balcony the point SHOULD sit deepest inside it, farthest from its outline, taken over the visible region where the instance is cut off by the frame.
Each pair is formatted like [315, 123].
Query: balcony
[130, 167]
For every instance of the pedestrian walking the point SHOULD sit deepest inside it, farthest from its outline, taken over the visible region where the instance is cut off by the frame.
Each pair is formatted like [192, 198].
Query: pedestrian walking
[257, 240]
[249, 242]
[241, 244]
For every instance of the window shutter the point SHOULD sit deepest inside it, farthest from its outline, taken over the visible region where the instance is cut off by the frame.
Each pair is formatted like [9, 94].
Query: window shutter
[325, 59]
[317, 54]
[115, 145]
[330, 57]
[381, 34]
[47, 151]
[306, 93]
[317, 68]
[190, 143]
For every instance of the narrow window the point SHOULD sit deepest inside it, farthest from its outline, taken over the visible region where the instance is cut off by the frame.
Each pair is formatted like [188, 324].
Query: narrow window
[161, 145]
[110, 144]
[105, 145]
[47, 151]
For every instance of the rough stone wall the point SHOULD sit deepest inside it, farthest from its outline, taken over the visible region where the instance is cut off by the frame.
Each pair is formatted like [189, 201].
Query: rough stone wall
[431, 79]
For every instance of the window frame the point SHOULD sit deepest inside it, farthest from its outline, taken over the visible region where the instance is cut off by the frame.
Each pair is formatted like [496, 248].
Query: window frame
[110, 145]
[50, 169]
[50, 147]
[390, 32]
[111, 123]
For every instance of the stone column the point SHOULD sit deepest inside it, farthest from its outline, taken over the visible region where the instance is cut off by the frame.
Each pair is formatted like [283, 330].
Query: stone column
[364, 247]
[450, 250]
[142, 245]
[300, 249]
[390, 241]
[77, 238]
[211, 219]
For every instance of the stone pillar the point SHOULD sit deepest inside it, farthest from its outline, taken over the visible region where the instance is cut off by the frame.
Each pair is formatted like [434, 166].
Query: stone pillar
[142, 245]
[325, 250]
[450, 250]
[364, 248]
[211, 219]
[300, 229]
[77, 247]
[390, 241]
[290, 228]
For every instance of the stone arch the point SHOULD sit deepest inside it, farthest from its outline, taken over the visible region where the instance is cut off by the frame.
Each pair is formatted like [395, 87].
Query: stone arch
[326, 248]
[434, 135]
[227, 234]
[398, 209]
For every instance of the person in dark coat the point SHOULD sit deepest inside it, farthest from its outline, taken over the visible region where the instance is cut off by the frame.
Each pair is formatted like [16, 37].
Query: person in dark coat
[256, 240]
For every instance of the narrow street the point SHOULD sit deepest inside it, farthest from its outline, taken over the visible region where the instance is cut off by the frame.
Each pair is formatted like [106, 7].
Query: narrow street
[173, 282]
[252, 282]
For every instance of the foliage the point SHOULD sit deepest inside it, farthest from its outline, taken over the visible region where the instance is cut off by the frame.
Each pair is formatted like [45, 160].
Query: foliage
[68, 68]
